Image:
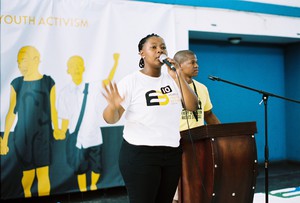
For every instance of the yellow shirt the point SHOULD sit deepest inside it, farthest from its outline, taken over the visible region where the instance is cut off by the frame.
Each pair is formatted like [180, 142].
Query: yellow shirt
[205, 104]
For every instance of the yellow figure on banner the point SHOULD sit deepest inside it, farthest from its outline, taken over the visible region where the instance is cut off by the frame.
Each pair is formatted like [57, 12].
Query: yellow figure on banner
[32, 100]
[81, 120]
[113, 70]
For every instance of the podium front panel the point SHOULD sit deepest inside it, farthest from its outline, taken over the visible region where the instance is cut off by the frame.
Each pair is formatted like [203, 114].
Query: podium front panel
[218, 168]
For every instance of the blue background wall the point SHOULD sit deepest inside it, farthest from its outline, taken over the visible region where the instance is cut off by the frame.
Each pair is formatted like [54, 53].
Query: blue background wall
[292, 90]
[259, 66]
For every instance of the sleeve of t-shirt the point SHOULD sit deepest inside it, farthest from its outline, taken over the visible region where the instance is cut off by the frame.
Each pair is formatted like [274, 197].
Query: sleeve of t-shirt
[208, 105]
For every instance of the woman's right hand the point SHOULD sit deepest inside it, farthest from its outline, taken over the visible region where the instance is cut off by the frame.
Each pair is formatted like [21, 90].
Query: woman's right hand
[113, 112]
[112, 95]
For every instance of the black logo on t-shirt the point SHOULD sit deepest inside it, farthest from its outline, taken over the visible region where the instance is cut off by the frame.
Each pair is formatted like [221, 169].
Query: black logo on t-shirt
[158, 97]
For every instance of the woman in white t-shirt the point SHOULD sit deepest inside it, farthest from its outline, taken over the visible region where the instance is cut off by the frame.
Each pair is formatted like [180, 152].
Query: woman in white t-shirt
[150, 156]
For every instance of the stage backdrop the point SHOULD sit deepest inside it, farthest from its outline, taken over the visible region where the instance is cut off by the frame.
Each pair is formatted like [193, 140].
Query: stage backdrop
[106, 35]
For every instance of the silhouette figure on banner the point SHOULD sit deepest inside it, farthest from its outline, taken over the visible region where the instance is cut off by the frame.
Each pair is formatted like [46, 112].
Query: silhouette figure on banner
[80, 107]
[32, 102]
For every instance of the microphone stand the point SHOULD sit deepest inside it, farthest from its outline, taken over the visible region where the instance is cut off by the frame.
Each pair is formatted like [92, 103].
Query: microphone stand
[265, 96]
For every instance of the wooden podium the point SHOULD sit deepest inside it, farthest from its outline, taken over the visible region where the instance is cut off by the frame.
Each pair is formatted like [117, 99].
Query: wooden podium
[219, 164]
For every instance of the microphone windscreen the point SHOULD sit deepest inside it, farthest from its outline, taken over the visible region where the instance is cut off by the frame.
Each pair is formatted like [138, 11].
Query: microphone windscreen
[162, 57]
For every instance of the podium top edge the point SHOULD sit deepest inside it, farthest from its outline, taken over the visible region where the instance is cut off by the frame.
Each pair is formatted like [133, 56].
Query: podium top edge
[220, 130]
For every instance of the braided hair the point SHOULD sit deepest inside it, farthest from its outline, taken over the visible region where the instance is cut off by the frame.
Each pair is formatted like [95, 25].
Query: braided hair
[140, 47]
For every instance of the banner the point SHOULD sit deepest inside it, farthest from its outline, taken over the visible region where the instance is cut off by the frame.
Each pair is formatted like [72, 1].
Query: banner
[102, 38]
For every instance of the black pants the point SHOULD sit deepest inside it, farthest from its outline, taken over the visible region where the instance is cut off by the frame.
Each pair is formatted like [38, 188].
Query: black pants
[90, 159]
[151, 174]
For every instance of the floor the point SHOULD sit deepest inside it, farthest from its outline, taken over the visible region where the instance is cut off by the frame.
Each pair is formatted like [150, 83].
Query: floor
[281, 175]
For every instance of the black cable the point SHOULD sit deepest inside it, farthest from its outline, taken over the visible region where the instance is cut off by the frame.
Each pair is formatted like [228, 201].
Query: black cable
[190, 136]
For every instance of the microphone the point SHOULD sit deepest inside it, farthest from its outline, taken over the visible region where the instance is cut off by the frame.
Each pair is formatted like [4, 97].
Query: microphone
[213, 78]
[163, 59]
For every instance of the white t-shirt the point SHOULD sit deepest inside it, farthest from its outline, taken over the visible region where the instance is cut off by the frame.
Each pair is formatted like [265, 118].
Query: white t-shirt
[69, 106]
[152, 109]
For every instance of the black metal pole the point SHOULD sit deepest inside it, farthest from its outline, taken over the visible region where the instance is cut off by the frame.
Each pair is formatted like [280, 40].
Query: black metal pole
[265, 100]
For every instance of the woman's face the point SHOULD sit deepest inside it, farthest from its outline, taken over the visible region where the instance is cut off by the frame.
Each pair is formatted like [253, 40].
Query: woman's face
[152, 49]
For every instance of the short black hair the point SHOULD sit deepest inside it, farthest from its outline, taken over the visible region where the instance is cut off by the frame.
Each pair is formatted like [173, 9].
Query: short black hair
[181, 56]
